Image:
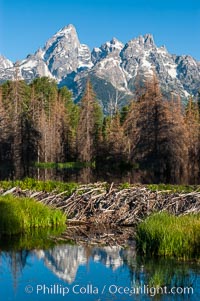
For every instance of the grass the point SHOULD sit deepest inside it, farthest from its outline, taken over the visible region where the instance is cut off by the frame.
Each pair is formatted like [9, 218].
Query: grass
[69, 188]
[124, 185]
[40, 238]
[174, 188]
[66, 165]
[19, 215]
[48, 186]
[163, 234]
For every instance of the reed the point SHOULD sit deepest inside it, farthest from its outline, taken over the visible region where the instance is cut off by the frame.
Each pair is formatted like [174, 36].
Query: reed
[19, 215]
[163, 234]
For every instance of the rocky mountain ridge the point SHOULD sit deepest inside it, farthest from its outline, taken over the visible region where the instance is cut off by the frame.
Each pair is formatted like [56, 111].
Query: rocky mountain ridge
[113, 65]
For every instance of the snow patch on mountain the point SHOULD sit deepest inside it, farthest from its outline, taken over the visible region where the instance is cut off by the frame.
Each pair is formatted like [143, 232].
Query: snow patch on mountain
[5, 63]
[69, 62]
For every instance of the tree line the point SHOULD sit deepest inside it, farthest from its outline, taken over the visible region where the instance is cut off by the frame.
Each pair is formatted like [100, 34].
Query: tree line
[157, 137]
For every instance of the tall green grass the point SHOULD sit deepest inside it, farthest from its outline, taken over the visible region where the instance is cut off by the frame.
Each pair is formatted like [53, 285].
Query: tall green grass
[23, 214]
[33, 184]
[163, 234]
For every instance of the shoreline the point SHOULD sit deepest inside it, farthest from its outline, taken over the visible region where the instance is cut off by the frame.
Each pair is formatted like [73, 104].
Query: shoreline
[100, 203]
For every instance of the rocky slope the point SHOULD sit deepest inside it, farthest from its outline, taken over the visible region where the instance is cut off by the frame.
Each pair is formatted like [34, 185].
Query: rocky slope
[113, 65]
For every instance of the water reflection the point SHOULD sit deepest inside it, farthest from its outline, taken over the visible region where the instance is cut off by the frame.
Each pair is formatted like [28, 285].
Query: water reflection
[16, 262]
[64, 261]
[85, 175]
[74, 264]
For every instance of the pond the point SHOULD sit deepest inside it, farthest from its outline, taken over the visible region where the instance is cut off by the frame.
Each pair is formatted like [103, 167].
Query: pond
[85, 175]
[82, 175]
[86, 271]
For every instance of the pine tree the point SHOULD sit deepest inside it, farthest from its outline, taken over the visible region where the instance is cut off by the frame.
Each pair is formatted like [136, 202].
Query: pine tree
[130, 128]
[70, 124]
[192, 120]
[159, 137]
[5, 140]
[176, 142]
[115, 139]
[45, 108]
[89, 125]
[15, 98]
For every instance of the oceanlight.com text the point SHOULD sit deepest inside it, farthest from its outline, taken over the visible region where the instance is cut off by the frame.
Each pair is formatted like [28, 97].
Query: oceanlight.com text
[113, 289]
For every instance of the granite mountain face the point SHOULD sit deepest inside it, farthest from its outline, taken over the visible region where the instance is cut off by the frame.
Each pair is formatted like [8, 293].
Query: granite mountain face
[114, 68]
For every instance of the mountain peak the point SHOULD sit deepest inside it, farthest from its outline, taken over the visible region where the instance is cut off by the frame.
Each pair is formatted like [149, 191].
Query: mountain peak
[145, 41]
[112, 45]
[5, 63]
[110, 48]
[148, 39]
[116, 43]
[68, 61]
[66, 30]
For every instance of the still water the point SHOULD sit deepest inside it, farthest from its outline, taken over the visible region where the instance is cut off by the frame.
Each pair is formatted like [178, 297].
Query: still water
[85, 175]
[91, 272]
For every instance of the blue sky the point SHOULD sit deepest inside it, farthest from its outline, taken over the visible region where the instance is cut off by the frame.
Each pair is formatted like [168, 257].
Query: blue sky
[25, 25]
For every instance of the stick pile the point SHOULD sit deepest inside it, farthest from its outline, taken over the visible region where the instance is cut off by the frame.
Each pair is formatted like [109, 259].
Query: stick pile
[99, 235]
[97, 203]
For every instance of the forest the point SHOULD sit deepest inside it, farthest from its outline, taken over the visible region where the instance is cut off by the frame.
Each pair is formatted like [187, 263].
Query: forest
[159, 138]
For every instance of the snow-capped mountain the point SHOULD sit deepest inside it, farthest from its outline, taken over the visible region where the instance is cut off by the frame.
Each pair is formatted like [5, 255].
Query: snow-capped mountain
[114, 68]
[6, 69]
[64, 54]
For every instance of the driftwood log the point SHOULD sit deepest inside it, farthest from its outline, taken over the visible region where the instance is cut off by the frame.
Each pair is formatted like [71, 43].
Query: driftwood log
[99, 204]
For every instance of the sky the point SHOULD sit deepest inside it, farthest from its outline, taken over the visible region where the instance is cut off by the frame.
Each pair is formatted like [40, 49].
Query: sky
[25, 25]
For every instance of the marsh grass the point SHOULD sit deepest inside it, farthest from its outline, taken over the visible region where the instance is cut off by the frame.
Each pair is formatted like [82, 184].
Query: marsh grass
[163, 234]
[173, 188]
[19, 215]
[33, 184]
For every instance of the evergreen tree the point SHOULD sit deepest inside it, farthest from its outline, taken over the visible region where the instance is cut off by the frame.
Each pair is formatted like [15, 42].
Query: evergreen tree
[70, 124]
[160, 148]
[114, 142]
[5, 140]
[15, 99]
[89, 125]
[131, 129]
[192, 120]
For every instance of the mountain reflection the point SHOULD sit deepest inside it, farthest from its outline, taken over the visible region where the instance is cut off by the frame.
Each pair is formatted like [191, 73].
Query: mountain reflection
[65, 260]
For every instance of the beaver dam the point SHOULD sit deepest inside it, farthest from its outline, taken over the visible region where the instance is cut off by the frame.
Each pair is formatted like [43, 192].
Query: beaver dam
[112, 205]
